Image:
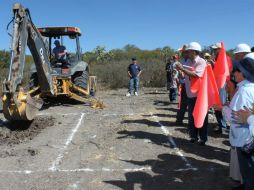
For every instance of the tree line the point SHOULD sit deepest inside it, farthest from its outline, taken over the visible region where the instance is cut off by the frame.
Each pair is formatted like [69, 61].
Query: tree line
[110, 67]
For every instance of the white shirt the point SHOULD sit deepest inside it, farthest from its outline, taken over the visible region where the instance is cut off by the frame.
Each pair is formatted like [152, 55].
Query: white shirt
[240, 133]
[250, 121]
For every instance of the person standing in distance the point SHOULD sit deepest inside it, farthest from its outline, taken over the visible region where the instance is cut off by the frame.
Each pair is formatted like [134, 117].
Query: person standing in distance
[134, 72]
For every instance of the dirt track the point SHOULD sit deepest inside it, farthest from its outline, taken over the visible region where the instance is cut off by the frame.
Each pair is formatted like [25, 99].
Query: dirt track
[131, 144]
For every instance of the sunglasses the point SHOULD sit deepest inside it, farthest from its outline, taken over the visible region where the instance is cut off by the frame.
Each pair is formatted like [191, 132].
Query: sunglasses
[236, 70]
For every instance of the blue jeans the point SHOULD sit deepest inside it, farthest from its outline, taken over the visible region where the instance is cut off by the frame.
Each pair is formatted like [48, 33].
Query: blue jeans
[218, 114]
[172, 94]
[133, 84]
[246, 163]
[193, 131]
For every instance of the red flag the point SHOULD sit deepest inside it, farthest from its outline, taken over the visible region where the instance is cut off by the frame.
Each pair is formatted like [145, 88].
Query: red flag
[221, 67]
[195, 84]
[230, 66]
[208, 95]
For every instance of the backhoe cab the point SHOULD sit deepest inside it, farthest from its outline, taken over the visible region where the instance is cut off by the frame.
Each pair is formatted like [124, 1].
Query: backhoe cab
[74, 68]
[49, 78]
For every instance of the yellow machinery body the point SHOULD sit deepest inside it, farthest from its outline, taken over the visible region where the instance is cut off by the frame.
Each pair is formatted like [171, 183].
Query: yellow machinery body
[25, 105]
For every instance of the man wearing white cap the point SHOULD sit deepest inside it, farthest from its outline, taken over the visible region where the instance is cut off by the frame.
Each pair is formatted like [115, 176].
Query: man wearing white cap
[195, 68]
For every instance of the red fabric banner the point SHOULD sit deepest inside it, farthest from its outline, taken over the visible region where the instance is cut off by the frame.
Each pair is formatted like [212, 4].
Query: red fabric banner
[207, 96]
[221, 67]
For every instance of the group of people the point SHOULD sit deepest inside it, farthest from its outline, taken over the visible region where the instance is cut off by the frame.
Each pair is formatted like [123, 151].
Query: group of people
[236, 111]
[237, 98]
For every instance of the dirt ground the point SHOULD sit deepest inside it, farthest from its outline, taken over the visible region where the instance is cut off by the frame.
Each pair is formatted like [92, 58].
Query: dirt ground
[131, 144]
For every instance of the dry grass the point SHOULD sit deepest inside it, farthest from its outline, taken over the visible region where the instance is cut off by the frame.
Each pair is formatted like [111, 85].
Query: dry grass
[113, 75]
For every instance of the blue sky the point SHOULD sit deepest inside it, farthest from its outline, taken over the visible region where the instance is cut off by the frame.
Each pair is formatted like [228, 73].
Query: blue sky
[148, 24]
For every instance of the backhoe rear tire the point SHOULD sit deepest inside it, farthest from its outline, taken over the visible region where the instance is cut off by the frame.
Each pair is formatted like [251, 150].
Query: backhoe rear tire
[80, 79]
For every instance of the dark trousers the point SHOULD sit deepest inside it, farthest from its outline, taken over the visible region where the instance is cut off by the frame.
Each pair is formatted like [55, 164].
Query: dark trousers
[183, 105]
[193, 131]
[246, 163]
[172, 94]
[220, 120]
[168, 80]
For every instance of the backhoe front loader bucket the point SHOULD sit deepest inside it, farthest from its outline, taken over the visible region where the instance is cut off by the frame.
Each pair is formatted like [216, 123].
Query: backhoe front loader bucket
[24, 107]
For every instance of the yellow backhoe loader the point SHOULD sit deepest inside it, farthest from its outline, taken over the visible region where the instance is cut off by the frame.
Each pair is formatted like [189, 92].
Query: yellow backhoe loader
[50, 77]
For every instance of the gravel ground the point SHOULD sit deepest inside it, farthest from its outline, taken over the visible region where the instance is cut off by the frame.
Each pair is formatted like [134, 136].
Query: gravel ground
[131, 144]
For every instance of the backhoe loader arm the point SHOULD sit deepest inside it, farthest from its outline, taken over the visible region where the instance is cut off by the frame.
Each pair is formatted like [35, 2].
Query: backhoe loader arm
[26, 34]
[18, 104]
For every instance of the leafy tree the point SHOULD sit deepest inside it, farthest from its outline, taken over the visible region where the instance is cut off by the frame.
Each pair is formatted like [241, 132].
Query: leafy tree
[99, 55]
[166, 52]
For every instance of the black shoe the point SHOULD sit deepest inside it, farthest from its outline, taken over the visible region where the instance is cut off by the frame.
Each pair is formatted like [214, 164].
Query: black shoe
[193, 140]
[178, 123]
[201, 142]
[239, 187]
[217, 131]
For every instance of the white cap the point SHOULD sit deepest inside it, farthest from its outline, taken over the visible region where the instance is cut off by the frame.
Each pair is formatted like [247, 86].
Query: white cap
[194, 46]
[216, 46]
[242, 48]
[207, 55]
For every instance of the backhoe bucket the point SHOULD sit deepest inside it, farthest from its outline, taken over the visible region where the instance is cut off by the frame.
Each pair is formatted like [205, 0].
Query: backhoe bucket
[24, 108]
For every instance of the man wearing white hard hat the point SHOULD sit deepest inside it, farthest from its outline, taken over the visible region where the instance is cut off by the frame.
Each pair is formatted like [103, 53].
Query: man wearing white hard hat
[241, 50]
[224, 91]
[194, 68]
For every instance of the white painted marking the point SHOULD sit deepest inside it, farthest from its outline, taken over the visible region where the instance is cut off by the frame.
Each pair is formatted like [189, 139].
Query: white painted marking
[18, 171]
[79, 170]
[90, 170]
[172, 142]
[61, 155]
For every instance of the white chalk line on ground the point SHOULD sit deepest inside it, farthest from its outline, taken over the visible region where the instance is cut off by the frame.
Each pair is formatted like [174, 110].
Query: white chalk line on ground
[55, 164]
[90, 170]
[172, 142]
[68, 141]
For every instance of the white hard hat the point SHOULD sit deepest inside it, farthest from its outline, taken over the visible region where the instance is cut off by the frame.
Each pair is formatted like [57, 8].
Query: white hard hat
[242, 48]
[249, 55]
[216, 46]
[194, 46]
